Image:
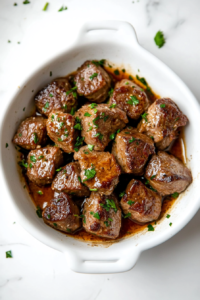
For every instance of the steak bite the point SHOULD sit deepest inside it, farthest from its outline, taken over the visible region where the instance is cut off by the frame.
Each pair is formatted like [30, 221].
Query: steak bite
[162, 122]
[62, 213]
[141, 204]
[42, 164]
[100, 123]
[68, 180]
[92, 82]
[129, 97]
[102, 215]
[131, 150]
[31, 133]
[60, 129]
[167, 174]
[99, 170]
[58, 95]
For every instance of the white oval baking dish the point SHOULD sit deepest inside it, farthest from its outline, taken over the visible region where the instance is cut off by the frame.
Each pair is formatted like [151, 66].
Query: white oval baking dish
[117, 42]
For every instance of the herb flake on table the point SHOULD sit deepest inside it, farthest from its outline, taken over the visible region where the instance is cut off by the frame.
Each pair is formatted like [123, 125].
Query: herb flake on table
[46, 6]
[159, 39]
[9, 254]
[39, 212]
[63, 8]
[6, 145]
[26, 2]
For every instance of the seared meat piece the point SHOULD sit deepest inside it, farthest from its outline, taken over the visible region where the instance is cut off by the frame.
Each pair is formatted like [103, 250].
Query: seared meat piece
[132, 149]
[59, 95]
[102, 215]
[99, 170]
[62, 213]
[92, 82]
[162, 121]
[42, 164]
[31, 133]
[100, 123]
[129, 97]
[167, 174]
[141, 204]
[60, 129]
[68, 180]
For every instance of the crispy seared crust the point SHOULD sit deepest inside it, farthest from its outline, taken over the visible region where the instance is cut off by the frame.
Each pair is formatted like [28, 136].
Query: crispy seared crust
[55, 95]
[145, 205]
[170, 175]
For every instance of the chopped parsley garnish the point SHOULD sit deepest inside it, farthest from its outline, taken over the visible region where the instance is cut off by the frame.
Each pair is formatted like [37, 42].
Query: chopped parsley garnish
[112, 136]
[89, 173]
[30, 166]
[35, 138]
[162, 105]
[130, 202]
[152, 177]
[152, 137]
[159, 39]
[6, 145]
[87, 114]
[92, 105]
[93, 76]
[99, 135]
[98, 63]
[40, 192]
[116, 72]
[50, 73]
[133, 100]
[90, 147]
[175, 195]
[26, 2]
[72, 111]
[79, 142]
[90, 128]
[71, 90]
[106, 223]
[170, 224]
[153, 189]
[105, 118]
[93, 190]
[95, 215]
[68, 229]
[95, 111]
[130, 77]
[168, 216]
[94, 120]
[123, 70]
[109, 219]
[147, 182]
[39, 212]
[78, 126]
[15, 4]
[65, 106]
[9, 41]
[113, 105]
[122, 194]
[48, 216]
[111, 92]
[23, 164]
[109, 204]
[52, 117]
[58, 170]
[24, 108]
[63, 8]
[50, 95]
[33, 158]
[142, 80]
[127, 132]
[127, 83]
[61, 125]
[150, 227]
[176, 119]
[79, 178]
[131, 140]
[144, 116]
[46, 106]
[60, 140]
[55, 225]
[9, 254]
[128, 215]
[46, 6]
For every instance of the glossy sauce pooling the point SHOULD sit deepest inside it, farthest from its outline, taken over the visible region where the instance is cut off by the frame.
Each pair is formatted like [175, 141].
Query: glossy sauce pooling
[128, 226]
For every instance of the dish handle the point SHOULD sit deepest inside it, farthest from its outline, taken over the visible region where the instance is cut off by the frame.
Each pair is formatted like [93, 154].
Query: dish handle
[101, 263]
[107, 30]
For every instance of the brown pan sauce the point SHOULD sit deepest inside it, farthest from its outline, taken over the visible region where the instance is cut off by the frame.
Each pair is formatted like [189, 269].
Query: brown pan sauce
[128, 226]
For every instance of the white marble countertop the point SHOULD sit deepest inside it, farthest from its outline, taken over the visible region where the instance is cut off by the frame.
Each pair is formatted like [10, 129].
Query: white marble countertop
[169, 271]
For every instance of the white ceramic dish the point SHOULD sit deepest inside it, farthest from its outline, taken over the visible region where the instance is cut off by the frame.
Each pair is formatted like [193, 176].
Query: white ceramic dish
[117, 42]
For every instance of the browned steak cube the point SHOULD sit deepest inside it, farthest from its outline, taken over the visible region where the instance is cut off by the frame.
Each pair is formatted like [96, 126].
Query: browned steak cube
[132, 149]
[129, 97]
[31, 133]
[42, 164]
[99, 170]
[62, 213]
[141, 204]
[58, 95]
[162, 122]
[92, 82]
[68, 180]
[100, 123]
[102, 215]
[167, 174]
[60, 129]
